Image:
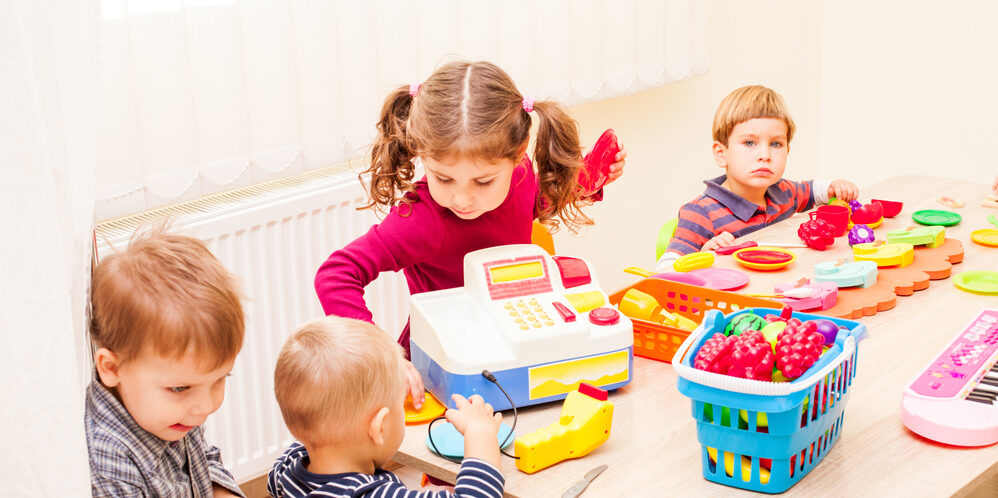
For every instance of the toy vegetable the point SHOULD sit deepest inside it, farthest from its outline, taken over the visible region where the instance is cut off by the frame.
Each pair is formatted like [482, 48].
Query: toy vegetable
[693, 261]
[868, 214]
[860, 234]
[817, 234]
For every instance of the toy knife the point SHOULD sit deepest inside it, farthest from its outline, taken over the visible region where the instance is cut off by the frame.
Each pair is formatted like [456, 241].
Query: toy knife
[731, 249]
[581, 486]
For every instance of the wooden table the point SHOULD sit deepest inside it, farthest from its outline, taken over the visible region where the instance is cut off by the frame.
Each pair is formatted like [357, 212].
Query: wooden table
[653, 451]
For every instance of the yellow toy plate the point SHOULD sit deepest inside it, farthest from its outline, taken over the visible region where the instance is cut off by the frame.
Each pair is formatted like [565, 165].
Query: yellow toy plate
[431, 410]
[985, 237]
[764, 266]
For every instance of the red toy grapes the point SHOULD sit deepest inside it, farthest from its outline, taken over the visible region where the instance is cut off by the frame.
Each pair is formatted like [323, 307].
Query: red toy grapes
[797, 348]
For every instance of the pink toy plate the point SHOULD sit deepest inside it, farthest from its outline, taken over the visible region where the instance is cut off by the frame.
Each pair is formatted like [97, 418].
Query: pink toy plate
[684, 278]
[722, 278]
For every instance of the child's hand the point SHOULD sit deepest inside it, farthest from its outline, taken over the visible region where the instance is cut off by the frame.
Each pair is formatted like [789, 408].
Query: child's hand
[617, 168]
[473, 414]
[843, 189]
[415, 385]
[725, 239]
[475, 419]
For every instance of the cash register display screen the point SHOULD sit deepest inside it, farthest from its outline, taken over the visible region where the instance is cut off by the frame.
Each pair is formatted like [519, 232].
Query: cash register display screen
[518, 278]
[512, 273]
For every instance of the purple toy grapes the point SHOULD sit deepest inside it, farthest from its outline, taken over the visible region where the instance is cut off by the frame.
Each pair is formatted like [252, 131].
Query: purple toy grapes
[860, 234]
[854, 205]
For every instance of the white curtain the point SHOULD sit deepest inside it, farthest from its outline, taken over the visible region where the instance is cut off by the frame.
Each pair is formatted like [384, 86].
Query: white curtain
[201, 96]
[49, 101]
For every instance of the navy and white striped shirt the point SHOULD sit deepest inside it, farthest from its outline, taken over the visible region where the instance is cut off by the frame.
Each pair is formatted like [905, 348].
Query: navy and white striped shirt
[126, 460]
[290, 479]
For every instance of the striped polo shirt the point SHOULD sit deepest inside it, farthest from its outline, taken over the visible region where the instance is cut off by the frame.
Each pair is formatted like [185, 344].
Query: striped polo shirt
[721, 210]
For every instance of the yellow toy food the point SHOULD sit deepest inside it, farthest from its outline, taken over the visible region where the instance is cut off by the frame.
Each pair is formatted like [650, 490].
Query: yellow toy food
[694, 261]
[584, 426]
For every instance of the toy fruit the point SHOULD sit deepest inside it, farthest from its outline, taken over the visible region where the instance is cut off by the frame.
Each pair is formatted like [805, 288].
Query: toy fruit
[854, 205]
[817, 234]
[744, 322]
[798, 347]
[860, 234]
[597, 163]
[868, 214]
[752, 357]
[693, 261]
[772, 332]
[826, 328]
[715, 354]
[891, 208]
[785, 314]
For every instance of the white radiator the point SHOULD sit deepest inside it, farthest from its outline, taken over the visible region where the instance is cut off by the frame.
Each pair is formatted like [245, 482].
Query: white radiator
[273, 236]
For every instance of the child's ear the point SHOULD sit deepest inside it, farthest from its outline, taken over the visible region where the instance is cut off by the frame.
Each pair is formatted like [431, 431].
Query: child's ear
[107, 364]
[376, 428]
[720, 153]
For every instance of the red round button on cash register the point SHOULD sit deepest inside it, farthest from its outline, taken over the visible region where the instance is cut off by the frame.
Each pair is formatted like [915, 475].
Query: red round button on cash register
[604, 316]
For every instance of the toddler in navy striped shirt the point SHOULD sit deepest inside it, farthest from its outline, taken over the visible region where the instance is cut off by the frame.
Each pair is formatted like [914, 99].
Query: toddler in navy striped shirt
[339, 383]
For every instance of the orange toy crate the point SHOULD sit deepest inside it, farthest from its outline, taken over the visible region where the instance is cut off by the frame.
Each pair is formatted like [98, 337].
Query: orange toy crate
[660, 342]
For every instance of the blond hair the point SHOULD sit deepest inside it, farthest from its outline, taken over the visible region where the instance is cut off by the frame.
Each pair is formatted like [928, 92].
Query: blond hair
[166, 294]
[473, 110]
[750, 102]
[330, 375]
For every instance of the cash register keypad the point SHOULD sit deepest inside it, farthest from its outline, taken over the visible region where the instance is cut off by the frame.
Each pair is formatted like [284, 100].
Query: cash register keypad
[528, 314]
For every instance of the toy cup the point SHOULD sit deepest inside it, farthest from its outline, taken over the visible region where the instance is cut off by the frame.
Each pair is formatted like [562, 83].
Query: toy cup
[837, 216]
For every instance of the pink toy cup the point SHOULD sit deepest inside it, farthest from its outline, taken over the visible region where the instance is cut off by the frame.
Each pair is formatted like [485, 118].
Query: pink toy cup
[837, 216]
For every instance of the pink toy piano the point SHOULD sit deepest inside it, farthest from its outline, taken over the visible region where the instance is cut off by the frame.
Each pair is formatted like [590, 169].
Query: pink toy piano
[954, 400]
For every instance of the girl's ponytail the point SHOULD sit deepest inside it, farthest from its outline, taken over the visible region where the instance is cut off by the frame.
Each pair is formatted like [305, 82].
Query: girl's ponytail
[391, 168]
[558, 157]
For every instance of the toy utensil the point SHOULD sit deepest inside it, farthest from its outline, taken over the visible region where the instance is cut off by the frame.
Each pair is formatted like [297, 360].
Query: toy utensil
[581, 486]
[797, 292]
[993, 220]
[751, 243]
[641, 272]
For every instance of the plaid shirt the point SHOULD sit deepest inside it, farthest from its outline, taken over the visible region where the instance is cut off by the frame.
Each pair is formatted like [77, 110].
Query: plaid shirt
[721, 210]
[290, 479]
[125, 460]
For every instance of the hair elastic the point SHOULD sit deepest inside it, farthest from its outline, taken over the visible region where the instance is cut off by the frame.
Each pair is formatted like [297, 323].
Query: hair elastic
[528, 104]
[414, 88]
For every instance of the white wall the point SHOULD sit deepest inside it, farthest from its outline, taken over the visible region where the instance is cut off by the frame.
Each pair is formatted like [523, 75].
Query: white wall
[909, 88]
[876, 88]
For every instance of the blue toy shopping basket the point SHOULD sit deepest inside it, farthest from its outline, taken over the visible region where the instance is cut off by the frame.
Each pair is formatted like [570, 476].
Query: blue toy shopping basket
[766, 436]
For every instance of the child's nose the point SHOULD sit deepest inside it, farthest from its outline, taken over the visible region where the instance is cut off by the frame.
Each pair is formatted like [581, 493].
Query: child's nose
[463, 198]
[203, 405]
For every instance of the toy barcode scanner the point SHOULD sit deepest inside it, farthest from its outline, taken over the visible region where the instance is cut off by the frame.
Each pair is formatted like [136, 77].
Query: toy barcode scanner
[597, 162]
[540, 323]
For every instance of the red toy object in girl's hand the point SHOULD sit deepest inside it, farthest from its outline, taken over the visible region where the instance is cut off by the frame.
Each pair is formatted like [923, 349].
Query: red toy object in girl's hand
[715, 354]
[797, 348]
[597, 162]
[817, 234]
[752, 357]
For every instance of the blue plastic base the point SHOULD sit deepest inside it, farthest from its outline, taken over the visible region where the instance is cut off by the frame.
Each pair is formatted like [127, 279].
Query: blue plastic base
[516, 381]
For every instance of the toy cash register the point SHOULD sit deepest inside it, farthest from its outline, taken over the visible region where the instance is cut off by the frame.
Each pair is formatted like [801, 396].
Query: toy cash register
[539, 323]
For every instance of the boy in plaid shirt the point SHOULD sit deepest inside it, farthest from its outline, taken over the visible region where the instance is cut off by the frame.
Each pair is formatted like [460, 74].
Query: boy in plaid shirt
[167, 325]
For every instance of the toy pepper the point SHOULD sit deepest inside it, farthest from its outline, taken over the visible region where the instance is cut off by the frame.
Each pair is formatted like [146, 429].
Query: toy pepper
[868, 214]
[817, 234]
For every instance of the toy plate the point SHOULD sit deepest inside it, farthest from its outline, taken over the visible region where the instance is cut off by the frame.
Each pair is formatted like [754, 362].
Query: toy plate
[765, 258]
[431, 410]
[451, 443]
[936, 217]
[685, 278]
[722, 278]
[978, 282]
[985, 237]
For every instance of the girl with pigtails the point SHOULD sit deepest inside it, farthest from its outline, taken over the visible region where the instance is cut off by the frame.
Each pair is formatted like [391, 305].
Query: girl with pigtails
[468, 127]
